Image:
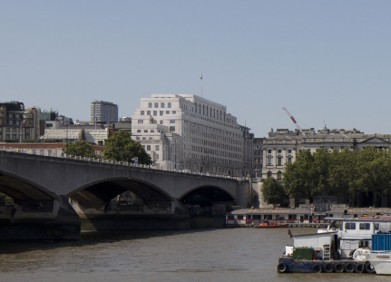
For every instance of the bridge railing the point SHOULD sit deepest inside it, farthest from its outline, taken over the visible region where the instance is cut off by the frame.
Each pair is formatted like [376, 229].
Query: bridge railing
[122, 163]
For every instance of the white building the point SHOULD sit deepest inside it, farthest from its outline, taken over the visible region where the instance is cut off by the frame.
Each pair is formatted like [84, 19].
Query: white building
[188, 132]
[283, 145]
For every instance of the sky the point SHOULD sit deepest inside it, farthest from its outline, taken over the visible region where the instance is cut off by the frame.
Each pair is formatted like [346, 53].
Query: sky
[327, 62]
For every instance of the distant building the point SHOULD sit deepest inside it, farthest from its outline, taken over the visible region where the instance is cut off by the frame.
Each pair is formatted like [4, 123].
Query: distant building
[188, 132]
[258, 157]
[283, 145]
[18, 124]
[103, 112]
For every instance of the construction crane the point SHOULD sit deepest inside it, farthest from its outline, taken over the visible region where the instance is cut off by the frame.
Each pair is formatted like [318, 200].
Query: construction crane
[292, 118]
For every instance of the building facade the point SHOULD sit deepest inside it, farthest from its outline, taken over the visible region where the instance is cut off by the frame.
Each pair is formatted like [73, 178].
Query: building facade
[18, 124]
[188, 132]
[103, 112]
[282, 146]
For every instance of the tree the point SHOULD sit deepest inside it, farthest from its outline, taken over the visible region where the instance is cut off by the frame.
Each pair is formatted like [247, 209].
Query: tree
[273, 191]
[300, 177]
[80, 148]
[121, 147]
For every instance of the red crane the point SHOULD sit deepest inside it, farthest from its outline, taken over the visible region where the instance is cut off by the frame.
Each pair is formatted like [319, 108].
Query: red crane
[292, 118]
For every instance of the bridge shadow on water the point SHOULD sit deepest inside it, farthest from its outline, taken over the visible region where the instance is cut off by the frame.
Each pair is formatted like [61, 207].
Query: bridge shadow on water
[90, 238]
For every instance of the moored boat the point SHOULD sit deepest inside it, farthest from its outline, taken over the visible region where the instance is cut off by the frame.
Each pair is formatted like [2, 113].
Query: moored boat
[347, 245]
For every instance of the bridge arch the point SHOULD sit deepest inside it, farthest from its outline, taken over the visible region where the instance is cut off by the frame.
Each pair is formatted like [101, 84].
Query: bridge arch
[23, 190]
[206, 199]
[130, 192]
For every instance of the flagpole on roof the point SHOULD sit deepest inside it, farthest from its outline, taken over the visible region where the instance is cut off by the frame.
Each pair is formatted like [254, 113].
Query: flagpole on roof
[202, 87]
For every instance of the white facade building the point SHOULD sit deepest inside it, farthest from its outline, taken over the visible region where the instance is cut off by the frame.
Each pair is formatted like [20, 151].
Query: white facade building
[283, 145]
[188, 132]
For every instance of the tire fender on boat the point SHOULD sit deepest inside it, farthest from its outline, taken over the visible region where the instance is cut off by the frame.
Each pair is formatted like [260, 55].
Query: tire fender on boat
[349, 267]
[328, 267]
[281, 267]
[339, 268]
[317, 268]
[369, 267]
[359, 268]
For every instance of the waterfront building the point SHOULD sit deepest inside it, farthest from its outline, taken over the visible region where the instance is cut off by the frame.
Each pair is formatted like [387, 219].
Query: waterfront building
[18, 124]
[188, 132]
[258, 157]
[282, 146]
[103, 112]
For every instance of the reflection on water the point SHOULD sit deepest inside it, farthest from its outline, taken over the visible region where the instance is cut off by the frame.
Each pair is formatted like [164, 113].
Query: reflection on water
[241, 254]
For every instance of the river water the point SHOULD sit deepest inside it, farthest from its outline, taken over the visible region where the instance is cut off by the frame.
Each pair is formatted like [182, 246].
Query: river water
[237, 254]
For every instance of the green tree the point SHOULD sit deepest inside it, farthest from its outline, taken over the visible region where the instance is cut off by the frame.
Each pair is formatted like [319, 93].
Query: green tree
[80, 148]
[273, 192]
[121, 147]
[300, 178]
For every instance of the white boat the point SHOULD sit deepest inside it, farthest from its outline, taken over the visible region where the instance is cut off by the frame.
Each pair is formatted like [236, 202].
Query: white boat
[356, 233]
[381, 262]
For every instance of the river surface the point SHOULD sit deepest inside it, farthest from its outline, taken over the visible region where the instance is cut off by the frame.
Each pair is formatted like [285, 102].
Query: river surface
[237, 254]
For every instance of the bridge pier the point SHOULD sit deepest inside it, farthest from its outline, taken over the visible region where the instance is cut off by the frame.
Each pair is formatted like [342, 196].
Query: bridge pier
[131, 218]
[39, 220]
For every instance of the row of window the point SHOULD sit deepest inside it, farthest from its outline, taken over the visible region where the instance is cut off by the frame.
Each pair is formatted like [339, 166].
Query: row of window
[361, 226]
[157, 113]
[280, 162]
[162, 105]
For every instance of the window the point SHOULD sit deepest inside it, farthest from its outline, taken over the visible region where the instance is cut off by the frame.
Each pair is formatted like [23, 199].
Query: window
[279, 160]
[148, 147]
[157, 148]
[150, 105]
[161, 105]
[156, 105]
[140, 121]
[172, 120]
[172, 128]
[169, 105]
[365, 226]
[142, 113]
[350, 225]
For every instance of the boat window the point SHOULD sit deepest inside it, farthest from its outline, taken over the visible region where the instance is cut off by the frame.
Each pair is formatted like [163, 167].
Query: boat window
[240, 216]
[256, 216]
[365, 226]
[350, 225]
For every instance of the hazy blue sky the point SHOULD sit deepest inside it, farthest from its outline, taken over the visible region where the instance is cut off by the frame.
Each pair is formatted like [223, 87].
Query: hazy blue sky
[328, 62]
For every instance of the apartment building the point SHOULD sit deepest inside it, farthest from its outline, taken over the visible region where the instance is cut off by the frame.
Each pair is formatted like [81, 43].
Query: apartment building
[18, 124]
[103, 112]
[188, 132]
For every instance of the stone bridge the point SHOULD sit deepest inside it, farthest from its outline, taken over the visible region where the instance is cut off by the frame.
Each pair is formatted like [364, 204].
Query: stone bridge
[67, 190]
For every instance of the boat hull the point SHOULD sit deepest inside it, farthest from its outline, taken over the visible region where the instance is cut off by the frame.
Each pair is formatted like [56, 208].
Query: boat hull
[381, 262]
[289, 265]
